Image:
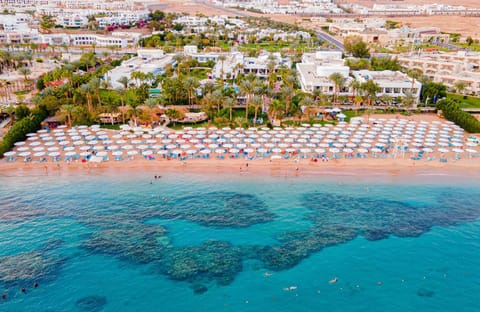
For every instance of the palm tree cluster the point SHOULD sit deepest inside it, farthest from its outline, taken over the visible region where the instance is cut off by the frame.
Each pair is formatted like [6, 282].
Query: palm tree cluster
[14, 60]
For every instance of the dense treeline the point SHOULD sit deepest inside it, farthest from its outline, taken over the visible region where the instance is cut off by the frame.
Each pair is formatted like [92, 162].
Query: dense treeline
[374, 63]
[451, 110]
[18, 132]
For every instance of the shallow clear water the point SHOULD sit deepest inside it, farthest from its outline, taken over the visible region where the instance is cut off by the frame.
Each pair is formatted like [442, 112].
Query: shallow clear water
[204, 243]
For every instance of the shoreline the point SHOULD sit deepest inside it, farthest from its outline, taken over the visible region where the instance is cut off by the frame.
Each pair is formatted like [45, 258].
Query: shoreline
[256, 168]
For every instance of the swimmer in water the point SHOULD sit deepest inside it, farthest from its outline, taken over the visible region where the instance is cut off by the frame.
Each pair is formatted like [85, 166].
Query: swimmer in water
[290, 288]
[35, 285]
[4, 296]
[266, 274]
[24, 290]
[333, 281]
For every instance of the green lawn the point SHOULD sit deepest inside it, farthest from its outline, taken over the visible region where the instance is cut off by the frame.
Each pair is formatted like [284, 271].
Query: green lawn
[467, 102]
[110, 126]
[180, 126]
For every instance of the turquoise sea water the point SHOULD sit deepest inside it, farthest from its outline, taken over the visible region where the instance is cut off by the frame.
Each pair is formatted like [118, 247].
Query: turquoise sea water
[186, 242]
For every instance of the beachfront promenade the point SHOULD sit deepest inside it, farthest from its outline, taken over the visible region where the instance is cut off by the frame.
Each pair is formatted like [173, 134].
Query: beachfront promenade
[377, 139]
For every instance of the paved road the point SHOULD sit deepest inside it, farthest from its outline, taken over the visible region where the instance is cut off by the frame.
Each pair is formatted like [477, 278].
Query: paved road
[323, 36]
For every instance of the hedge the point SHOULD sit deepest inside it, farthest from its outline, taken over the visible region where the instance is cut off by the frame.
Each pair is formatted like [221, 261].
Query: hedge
[18, 132]
[452, 111]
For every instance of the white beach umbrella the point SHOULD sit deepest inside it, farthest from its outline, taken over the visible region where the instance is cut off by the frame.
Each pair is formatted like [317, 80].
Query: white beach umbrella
[127, 147]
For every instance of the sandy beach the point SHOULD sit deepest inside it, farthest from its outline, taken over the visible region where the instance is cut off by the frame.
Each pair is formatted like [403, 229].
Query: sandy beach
[255, 168]
[385, 144]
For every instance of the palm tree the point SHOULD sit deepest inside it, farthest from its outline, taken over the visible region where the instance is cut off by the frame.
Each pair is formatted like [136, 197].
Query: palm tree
[138, 76]
[355, 86]
[124, 81]
[190, 83]
[229, 102]
[10, 111]
[276, 109]
[222, 59]
[122, 91]
[246, 87]
[307, 105]
[288, 93]
[134, 110]
[86, 90]
[257, 103]
[460, 86]
[178, 58]
[371, 88]
[217, 98]
[25, 71]
[152, 104]
[95, 86]
[67, 111]
[4, 86]
[338, 82]
[414, 74]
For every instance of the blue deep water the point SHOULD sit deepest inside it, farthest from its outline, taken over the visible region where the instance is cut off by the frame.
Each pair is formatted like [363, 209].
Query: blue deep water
[191, 242]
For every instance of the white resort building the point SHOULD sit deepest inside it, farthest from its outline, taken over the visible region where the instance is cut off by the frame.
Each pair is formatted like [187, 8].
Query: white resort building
[447, 68]
[315, 69]
[392, 83]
